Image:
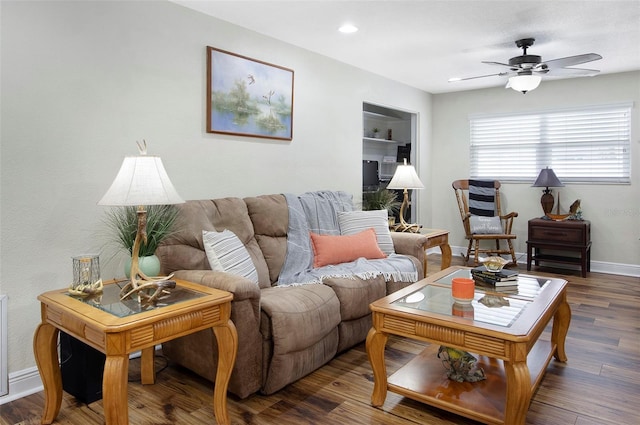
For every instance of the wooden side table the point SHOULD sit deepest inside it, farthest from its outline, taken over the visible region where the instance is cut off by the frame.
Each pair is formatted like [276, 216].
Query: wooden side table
[567, 235]
[118, 328]
[439, 238]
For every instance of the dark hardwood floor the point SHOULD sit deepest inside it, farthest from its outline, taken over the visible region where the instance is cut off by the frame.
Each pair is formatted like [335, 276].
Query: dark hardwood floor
[599, 385]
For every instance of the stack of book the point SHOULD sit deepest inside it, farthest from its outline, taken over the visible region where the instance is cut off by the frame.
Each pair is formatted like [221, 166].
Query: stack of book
[501, 278]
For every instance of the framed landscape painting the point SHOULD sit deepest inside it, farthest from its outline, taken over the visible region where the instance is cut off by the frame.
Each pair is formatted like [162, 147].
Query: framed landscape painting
[248, 97]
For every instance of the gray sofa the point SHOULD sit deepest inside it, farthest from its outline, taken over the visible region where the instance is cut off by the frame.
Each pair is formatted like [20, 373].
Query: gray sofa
[284, 333]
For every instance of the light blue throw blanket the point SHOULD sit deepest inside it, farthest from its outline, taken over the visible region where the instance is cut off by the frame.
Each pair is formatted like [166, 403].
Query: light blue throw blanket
[317, 212]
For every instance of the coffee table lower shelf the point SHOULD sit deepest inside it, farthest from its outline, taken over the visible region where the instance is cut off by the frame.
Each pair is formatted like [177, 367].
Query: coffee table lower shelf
[424, 379]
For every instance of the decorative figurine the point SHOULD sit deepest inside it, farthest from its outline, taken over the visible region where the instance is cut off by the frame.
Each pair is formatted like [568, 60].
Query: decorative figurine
[460, 365]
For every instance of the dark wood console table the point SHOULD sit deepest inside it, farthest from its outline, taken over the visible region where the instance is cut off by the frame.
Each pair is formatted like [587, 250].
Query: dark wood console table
[568, 235]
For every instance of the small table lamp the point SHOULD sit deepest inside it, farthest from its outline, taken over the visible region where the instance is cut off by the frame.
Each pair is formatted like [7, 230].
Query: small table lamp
[405, 178]
[547, 178]
[142, 180]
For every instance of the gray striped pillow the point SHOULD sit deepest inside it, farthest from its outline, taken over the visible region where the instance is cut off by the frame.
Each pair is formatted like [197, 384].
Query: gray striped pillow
[352, 222]
[226, 253]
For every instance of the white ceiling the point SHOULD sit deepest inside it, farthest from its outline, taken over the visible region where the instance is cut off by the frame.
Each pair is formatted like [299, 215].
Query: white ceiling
[423, 43]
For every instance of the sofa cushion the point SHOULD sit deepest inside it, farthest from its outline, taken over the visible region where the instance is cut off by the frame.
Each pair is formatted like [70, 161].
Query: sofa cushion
[184, 249]
[299, 327]
[270, 217]
[352, 222]
[355, 294]
[331, 249]
[298, 316]
[226, 253]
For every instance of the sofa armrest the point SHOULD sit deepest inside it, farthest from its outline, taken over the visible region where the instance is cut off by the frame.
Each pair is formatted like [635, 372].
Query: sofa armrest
[409, 244]
[198, 351]
[241, 288]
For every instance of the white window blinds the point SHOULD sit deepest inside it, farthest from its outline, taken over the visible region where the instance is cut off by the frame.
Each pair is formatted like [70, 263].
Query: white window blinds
[586, 145]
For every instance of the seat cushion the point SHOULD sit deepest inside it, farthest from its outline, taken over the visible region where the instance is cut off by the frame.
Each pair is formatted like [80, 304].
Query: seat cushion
[299, 327]
[356, 294]
[298, 316]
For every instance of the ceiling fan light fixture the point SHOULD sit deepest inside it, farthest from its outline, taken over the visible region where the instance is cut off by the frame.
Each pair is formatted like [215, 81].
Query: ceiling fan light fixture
[524, 83]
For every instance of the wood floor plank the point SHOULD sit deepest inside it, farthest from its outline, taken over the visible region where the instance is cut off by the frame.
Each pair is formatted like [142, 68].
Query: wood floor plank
[598, 385]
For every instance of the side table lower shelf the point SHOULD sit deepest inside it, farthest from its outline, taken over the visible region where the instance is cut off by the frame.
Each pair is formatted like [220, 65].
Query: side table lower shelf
[424, 379]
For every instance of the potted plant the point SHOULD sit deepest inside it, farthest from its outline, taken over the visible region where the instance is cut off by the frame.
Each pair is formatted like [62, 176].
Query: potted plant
[122, 223]
[381, 199]
[376, 133]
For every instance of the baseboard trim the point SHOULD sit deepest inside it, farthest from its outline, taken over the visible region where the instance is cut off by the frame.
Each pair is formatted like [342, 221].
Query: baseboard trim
[26, 382]
[632, 270]
[22, 383]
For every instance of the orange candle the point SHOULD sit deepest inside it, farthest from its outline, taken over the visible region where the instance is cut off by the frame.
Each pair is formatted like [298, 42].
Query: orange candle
[462, 289]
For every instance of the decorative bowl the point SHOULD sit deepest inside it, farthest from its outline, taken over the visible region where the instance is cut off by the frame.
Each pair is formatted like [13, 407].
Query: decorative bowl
[494, 264]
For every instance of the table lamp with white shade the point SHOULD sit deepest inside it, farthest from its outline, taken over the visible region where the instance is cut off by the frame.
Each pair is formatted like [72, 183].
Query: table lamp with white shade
[405, 178]
[142, 180]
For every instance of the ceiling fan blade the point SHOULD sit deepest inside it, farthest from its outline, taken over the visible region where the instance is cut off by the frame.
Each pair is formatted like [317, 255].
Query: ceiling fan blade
[571, 60]
[501, 74]
[571, 72]
[500, 64]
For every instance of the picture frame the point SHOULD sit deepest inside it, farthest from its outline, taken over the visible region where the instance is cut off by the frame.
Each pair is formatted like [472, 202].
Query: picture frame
[248, 97]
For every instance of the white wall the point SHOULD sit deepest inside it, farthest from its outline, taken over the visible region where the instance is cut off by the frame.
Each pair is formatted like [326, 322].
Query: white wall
[614, 210]
[82, 81]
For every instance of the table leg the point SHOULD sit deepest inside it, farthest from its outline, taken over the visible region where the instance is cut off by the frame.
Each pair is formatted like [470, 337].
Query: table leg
[518, 392]
[445, 250]
[560, 328]
[114, 390]
[45, 351]
[227, 338]
[375, 344]
[147, 366]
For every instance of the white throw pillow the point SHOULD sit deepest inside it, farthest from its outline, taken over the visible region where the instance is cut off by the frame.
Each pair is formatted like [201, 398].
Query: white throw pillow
[485, 225]
[352, 222]
[226, 253]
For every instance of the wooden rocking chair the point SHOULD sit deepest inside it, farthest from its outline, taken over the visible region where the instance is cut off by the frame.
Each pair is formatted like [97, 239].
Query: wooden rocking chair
[474, 233]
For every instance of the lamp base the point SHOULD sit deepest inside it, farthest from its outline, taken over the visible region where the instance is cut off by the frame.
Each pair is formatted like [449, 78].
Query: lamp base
[403, 226]
[406, 227]
[547, 202]
[147, 289]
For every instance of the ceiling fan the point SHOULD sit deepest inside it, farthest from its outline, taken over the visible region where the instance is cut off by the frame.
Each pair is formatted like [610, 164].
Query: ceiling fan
[525, 71]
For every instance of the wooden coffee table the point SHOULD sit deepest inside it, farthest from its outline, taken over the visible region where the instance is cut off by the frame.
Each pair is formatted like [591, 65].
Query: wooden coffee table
[118, 328]
[504, 339]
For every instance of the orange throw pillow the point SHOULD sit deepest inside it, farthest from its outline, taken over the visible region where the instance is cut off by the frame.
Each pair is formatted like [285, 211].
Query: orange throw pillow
[330, 249]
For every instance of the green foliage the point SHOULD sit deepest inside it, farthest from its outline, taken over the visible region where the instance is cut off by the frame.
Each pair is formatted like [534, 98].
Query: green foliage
[382, 199]
[122, 223]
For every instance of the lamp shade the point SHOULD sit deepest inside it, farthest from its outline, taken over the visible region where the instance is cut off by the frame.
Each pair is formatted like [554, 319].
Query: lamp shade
[142, 180]
[405, 177]
[547, 178]
[524, 83]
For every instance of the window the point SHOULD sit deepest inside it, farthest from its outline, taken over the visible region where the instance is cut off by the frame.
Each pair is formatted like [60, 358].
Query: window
[585, 145]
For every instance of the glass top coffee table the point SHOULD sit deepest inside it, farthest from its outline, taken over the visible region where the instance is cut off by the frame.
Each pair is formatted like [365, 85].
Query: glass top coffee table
[500, 327]
[118, 328]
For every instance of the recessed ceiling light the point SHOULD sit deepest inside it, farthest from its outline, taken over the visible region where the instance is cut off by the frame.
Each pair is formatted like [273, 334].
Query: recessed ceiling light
[348, 29]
